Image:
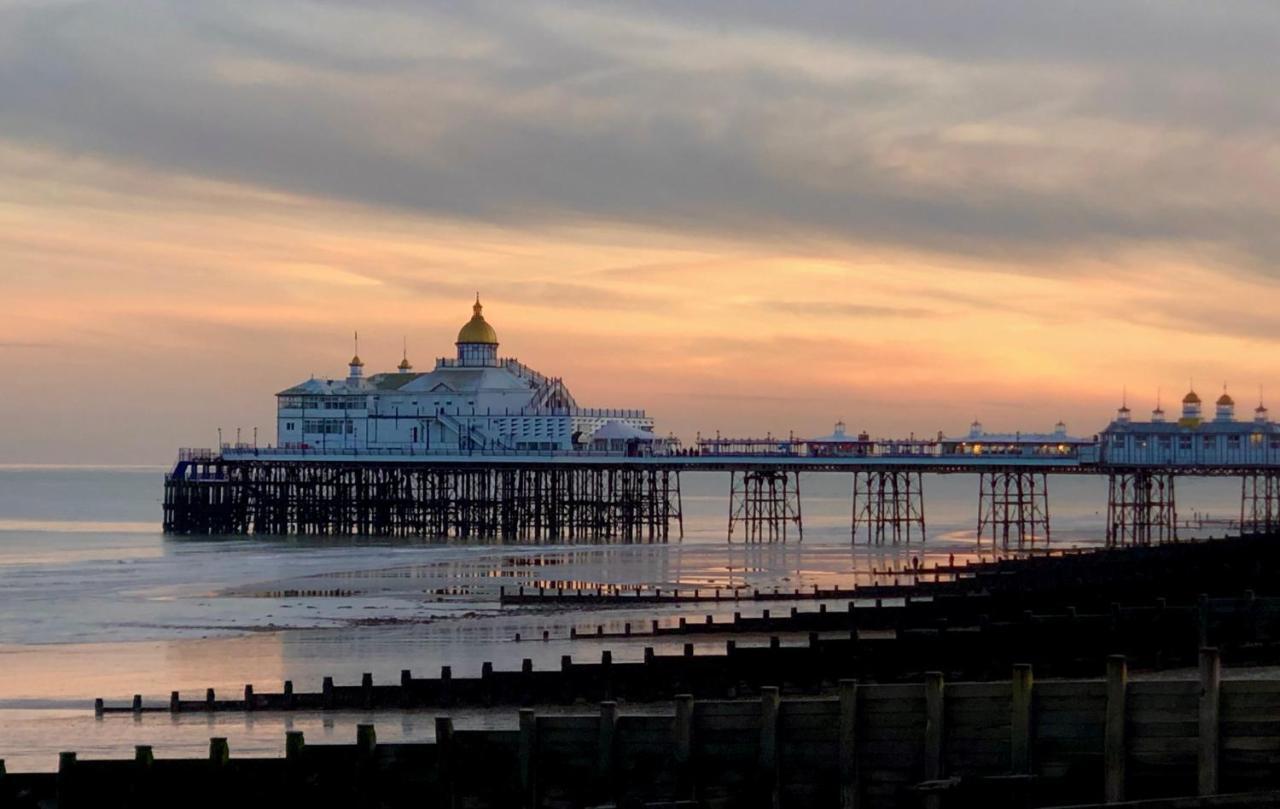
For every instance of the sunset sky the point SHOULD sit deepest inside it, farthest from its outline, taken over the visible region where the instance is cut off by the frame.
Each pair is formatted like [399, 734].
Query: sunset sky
[740, 215]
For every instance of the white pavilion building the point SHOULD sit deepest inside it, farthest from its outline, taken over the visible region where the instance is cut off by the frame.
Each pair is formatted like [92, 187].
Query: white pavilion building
[476, 402]
[1193, 439]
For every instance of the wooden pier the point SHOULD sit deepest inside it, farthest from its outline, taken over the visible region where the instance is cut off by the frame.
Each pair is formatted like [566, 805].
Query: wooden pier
[506, 501]
[1024, 741]
[571, 496]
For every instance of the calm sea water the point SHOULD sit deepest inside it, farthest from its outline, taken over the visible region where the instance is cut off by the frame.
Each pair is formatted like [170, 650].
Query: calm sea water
[96, 601]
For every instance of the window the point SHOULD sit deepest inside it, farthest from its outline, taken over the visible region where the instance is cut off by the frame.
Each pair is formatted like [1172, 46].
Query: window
[1233, 442]
[1184, 442]
[1209, 442]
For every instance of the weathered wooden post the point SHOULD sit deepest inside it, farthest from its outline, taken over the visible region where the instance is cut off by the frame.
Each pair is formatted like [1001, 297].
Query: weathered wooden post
[604, 751]
[143, 756]
[326, 693]
[366, 741]
[768, 763]
[209, 699]
[1113, 740]
[66, 791]
[527, 757]
[366, 690]
[933, 732]
[682, 747]
[99, 707]
[1202, 621]
[288, 695]
[137, 703]
[848, 744]
[248, 697]
[445, 762]
[294, 744]
[175, 702]
[1210, 688]
[219, 752]
[1020, 725]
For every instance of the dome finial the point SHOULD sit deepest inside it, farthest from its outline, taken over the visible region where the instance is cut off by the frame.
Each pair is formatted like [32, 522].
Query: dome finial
[355, 358]
[405, 366]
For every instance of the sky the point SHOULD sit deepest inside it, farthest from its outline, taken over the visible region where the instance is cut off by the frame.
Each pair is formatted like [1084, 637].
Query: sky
[741, 215]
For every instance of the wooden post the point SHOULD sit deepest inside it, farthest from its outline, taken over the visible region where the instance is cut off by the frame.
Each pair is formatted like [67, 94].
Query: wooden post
[248, 697]
[99, 707]
[326, 691]
[1020, 726]
[682, 743]
[1202, 621]
[1210, 686]
[175, 702]
[769, 704]
[294, 744]
[137, 703]
[219, 752]
[288, 695]
[1113, 740]
[366, 740]
[65, 783]
[366, 690]
[528, 758]
[848, 744]
[445, 761]
[209, 699]
[933, 732]
[604, 751]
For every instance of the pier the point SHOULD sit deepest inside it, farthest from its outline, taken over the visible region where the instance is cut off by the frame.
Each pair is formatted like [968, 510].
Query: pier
[607, 497]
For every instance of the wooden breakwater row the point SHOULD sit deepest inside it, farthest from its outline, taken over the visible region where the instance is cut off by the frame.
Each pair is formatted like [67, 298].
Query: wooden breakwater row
[1099, 575]
[1019, 742]
[1065, 644]
[1234, 620]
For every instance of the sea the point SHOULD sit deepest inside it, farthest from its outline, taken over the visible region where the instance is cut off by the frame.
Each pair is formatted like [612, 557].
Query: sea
[95, 601]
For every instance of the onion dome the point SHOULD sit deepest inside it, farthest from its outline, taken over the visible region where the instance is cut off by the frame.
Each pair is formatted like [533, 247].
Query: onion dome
[356, 362]
[1191, 398]
[1224, 399]
[476, 330]
[405, 366]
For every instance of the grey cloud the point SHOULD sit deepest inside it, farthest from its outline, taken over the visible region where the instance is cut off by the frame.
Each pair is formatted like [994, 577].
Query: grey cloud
[1131, 123]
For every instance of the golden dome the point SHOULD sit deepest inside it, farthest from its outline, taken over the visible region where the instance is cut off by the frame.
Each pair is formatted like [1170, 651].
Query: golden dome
[356, 361]
[476, 329]
[405, 366]
[1191, 398]
[1224, 399]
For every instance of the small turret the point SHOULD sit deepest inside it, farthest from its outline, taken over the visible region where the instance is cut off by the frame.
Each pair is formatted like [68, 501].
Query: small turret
[975, 429]
[355, 368]
[1225, 407]
[405, 366]
[1190, 410]
[1060, 429]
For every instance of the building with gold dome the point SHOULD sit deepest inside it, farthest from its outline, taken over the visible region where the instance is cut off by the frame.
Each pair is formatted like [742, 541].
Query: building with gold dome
[1192, 440]
[474, 402]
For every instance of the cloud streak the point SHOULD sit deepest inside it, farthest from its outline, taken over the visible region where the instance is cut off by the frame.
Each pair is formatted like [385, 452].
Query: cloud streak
[1019, 135]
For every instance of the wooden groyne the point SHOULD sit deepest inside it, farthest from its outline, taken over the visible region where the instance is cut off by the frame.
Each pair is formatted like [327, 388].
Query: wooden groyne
[1019, 742]
[1151, 571]
[966, 644]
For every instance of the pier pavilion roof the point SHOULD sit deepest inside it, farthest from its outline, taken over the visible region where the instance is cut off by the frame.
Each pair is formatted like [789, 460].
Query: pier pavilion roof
[1198, 427]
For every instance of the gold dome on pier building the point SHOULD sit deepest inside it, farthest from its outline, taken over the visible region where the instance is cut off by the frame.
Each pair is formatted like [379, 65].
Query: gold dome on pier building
[477, 330]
